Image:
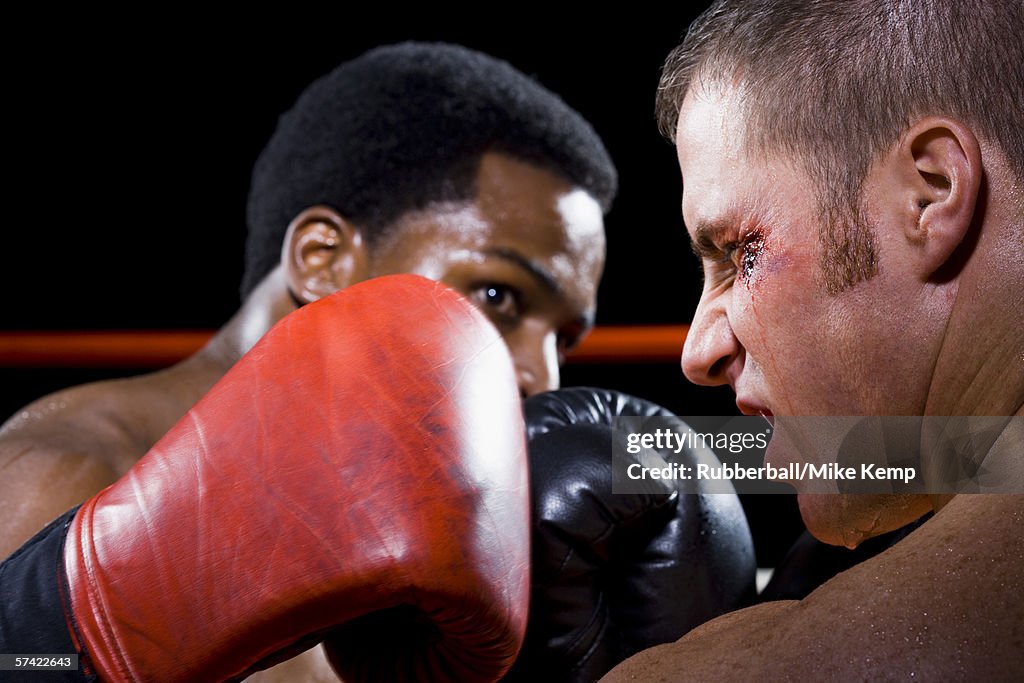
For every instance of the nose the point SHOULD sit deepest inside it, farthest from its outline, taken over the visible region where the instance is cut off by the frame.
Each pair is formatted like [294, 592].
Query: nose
[536, 361]
[711, 347]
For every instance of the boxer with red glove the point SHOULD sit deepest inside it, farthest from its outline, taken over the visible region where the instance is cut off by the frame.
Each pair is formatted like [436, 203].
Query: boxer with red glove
[614, 574]
[343, 470]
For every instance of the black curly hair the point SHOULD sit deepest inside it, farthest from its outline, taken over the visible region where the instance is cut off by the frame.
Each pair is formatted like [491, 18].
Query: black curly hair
[404, 126]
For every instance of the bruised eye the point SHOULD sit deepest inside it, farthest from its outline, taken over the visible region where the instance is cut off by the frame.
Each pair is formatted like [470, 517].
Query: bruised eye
[745, 253]
[498, 300]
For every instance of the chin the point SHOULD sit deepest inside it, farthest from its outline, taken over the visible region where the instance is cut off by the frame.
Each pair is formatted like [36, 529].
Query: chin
[849, 519]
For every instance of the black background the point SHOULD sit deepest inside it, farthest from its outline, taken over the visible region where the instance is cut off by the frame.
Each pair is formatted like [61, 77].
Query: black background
[130, 151]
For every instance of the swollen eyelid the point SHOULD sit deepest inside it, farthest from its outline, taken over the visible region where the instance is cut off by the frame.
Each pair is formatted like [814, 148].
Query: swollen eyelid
[750, 251]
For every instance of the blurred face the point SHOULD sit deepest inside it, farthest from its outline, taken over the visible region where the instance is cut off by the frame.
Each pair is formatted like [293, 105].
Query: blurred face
[765, 323]
[528, 250]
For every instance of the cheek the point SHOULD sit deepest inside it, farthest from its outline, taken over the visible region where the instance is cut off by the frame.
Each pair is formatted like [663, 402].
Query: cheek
[771, 293]
[782, 319]
[773, 308]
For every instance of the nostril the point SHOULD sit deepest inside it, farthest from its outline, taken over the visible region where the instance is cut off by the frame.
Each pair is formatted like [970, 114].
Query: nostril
[718, 367]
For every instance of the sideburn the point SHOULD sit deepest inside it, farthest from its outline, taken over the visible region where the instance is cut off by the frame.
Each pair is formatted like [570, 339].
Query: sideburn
[848, 251]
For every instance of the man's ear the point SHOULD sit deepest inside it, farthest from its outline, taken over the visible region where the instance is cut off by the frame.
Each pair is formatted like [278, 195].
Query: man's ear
[943, 172]
[322, 253]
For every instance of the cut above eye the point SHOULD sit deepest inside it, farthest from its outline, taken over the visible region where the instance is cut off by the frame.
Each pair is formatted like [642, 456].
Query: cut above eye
[745, 253]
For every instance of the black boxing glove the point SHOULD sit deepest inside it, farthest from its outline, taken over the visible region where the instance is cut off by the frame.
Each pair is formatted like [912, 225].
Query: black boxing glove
[614, 574]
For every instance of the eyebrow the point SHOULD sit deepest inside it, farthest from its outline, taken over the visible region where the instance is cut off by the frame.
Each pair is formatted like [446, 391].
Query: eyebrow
[540, 274]
[545, 278]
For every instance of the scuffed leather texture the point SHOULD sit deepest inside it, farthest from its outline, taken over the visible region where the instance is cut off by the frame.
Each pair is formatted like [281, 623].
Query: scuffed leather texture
[614, 574]
[366, 457]
[584, 405]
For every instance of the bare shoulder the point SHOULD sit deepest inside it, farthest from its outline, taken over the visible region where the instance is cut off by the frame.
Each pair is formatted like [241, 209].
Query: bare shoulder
[946, 602]
[115, 419]
[65, 447]
[309, 667]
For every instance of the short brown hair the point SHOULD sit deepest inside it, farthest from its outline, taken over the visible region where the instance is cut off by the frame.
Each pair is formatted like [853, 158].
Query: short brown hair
[834, 83]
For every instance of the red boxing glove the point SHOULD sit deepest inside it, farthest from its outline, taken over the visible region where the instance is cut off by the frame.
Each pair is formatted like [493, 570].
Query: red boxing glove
[365, 460]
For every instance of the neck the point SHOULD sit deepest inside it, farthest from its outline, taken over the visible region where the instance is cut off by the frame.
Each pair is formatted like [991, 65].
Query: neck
[267, 304]
[980, 366]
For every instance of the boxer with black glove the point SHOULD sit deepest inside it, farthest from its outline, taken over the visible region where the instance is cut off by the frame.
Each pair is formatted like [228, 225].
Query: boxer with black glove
[343, 470]
[614, 574]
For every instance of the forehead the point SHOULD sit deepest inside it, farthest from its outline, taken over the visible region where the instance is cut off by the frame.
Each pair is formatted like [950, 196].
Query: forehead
[520, 199]
[517, 204]
[711, 118]
[519, 207]
[726, 183]
[712, 159]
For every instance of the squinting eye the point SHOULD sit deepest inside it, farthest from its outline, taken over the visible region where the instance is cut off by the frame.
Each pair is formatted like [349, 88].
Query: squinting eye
[748, 252]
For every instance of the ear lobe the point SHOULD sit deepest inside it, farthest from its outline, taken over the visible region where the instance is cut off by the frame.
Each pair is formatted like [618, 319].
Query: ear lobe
[947, 180]
[322, 253]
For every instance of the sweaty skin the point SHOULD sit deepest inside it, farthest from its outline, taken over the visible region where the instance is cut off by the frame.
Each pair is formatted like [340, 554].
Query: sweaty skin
[528, 250]
[910, 613]
[947, 602]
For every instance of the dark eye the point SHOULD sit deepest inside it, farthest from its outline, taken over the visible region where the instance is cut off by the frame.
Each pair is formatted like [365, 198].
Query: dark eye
[498, 300]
